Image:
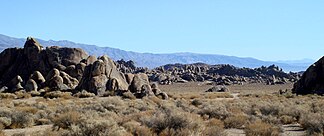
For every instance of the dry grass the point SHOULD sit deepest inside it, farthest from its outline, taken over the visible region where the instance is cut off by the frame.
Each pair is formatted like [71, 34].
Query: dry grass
[236, 121]
[260, 128]
[193, 113]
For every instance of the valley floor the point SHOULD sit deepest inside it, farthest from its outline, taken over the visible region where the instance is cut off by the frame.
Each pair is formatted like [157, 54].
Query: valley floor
[251, 109]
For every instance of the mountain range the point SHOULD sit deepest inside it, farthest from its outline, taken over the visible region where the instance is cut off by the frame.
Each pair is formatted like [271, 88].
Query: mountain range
[152, 60]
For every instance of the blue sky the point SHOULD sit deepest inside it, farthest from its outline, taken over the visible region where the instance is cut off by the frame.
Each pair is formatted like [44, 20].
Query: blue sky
[263, 29]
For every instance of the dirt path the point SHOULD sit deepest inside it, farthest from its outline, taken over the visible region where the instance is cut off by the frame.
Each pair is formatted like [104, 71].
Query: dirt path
[289, 130]
[27, 131]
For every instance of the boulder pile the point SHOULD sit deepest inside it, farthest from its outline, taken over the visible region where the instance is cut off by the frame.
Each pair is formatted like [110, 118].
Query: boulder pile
[220, 74]
[34, 68]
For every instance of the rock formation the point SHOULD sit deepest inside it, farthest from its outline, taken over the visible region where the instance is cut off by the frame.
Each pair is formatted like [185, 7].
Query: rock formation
[312, 80]
[33, 68]
[219, 74]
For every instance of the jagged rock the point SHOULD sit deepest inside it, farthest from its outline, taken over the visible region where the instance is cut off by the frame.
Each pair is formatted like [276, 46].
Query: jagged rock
[312, 80]
[218, 88]
[31, 85]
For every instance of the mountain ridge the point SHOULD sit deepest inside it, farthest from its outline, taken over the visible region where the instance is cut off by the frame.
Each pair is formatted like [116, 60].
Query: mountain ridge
[153, 60]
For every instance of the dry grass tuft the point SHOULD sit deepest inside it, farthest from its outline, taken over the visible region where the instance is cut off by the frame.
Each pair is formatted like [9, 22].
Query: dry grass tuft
[237, 121]
[7, 96]
[313, 123]
[260, 128]
[58, 94]
[66, 120]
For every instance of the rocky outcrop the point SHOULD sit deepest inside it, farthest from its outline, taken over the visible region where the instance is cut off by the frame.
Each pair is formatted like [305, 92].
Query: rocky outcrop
[26, 61]
[312, 80]
[101, 76]
[220, 74]
[140, 86]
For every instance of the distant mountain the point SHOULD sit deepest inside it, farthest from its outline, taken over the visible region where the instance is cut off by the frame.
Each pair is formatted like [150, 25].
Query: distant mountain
[154, 60]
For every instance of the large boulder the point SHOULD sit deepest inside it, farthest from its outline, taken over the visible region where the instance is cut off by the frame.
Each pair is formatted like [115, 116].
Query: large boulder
[140, 86]
[15, 84]
[38, 78]
[101, 76]
[312, 80]
[31, 85]
[55, 81]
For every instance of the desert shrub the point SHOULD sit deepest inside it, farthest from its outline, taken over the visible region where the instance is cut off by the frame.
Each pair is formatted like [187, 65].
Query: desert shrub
[214, 110]
[214, 127]
[114, 103]
[58, 94]
[66, 120]
[313, 123]
[22, 95]
[20, 134]
[27, 109]
[260, 128]
[4, 122]
[171, 122]
[215, 122]
[96, 107]
[96, 128]
[42, 114]
[294, 112]
[42, 121]
[21, 120]
[84, 94]
[135, 128]
[270, 109]
[35, 93]
[173, 132]
[270, 119]
[215, 95]
[285, 119]
[156, 100]
[128, 95]
[236, 121]
[7, 96]
[214, 131]
[197, 102]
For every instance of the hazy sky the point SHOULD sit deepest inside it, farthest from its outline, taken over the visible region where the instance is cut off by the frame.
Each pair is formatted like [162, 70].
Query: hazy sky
[264, 29]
